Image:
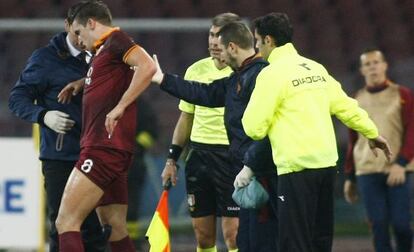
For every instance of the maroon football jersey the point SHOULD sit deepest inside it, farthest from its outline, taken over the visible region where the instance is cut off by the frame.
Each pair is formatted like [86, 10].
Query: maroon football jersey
[107, 80]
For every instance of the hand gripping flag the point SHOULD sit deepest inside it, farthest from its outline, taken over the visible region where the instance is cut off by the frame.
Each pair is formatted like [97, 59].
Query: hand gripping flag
[158, 230]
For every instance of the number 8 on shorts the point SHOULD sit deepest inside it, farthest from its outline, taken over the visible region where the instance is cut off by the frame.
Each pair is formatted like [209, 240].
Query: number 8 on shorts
[87, 165]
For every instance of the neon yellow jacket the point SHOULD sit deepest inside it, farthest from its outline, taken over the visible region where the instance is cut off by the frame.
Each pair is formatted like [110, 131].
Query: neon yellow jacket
[293, 102]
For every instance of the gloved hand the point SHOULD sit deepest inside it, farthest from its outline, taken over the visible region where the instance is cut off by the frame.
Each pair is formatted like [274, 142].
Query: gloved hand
[58, 121]
[243, 178]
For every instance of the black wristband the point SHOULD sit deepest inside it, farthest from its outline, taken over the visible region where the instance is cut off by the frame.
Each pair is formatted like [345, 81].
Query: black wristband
[351, 176]
[174, 152]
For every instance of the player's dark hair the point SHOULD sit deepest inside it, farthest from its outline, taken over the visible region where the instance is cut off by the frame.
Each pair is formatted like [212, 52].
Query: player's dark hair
[72, 12]
[275, 25]
[373, 49]
[238, 33]
[225, 18]
[94, 9]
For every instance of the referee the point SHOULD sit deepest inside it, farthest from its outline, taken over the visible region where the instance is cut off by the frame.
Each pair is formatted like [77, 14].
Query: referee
[209, 173]
[292, 103]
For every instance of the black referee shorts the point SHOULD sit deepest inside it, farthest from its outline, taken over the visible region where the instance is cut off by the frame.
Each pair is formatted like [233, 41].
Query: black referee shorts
[209, 181]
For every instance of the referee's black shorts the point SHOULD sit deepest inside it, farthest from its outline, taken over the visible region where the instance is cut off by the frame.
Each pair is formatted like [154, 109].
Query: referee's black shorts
[209, 177]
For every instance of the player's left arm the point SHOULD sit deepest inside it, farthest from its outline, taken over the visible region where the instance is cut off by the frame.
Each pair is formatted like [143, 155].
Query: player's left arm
[406, 153]
[145, 68]
[397, 174]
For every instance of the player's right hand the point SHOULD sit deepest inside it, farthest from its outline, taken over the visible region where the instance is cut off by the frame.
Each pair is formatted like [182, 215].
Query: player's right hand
[169, 172]
[71, 89]
[396, 176]
[159, 75]
[58, 121]
[350, 191]
[381, 143]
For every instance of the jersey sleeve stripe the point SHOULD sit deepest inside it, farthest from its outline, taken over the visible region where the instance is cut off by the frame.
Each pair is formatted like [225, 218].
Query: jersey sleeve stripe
[125, 58]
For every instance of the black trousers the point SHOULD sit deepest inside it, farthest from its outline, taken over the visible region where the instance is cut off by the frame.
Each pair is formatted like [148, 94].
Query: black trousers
[258, 228]
[56, 174]
[136, 180]
[305, 209]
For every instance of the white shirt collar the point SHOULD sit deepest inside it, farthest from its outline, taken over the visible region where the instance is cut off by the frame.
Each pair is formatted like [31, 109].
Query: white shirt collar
[73, 51]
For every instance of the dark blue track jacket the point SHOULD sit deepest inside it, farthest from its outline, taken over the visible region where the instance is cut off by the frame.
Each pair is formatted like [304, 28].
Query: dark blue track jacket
[48, 70]
[233, 93]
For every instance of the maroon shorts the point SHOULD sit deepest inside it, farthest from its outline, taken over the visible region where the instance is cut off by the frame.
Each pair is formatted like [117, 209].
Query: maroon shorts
[108, 169]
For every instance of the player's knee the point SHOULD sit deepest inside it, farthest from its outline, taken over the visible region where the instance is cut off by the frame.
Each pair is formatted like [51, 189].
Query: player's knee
[59, 223]
[205, 238]
[119, 229]
[230, 228]
[229, 236]
[66, 223]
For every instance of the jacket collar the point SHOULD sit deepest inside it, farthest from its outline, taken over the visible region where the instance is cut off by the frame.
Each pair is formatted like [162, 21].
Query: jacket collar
[249, 61]
[281, 51]
[58, 43]
[72, 49]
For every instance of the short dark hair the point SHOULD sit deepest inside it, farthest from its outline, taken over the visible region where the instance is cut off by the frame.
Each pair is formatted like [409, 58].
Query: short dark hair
[276, 25]
[225, 18]
[72, 12]
[94, 9]
[238, 33]
[373, 49]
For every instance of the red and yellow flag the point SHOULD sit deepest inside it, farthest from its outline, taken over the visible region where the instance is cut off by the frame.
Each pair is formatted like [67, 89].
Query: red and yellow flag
[158, 230]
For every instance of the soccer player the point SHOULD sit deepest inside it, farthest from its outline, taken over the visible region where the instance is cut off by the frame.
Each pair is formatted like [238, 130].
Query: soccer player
[99, 179]
[33, 99]
[292, 104]
[237, 51]
[384, 186]
[209, 173]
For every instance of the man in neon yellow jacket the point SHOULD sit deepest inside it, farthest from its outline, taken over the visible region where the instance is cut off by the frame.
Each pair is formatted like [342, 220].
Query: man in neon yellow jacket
[292, 103]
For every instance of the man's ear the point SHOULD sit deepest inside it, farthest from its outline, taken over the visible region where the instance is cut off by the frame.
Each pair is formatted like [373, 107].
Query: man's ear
[67, 25]
[91, 23]
[232, 46]
[269, 41]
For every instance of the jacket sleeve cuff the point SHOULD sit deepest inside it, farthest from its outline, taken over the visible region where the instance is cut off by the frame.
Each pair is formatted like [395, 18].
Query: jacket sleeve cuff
[164, 81]
[250, 162]
[402, 161]
[351, 177]
[41, 117]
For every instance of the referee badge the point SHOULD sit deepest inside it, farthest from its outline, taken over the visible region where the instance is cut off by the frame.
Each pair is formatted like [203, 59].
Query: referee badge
[191, 202]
